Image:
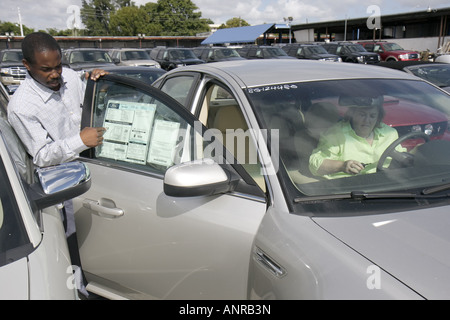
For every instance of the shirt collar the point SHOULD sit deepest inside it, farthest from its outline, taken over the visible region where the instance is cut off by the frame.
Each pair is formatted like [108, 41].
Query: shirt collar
[44, 92]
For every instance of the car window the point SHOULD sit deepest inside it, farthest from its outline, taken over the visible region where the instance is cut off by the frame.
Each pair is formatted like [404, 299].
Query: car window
[220, 111]
[13, 235]
[178, 88]
[143, 132]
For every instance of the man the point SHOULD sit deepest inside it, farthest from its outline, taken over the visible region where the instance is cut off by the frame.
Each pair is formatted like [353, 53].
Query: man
[45, 112]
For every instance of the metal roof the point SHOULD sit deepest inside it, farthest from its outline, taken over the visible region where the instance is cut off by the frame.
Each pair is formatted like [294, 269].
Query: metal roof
[238, 35]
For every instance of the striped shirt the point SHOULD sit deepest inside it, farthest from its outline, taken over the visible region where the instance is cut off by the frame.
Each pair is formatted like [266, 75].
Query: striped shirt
[48, 122]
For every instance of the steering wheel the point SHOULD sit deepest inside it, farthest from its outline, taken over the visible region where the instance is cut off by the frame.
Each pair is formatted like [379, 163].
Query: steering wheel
[402, 157]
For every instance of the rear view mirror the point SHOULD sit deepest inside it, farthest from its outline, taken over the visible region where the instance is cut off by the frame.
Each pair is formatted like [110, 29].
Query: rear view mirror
[197, 178]
[59, 183]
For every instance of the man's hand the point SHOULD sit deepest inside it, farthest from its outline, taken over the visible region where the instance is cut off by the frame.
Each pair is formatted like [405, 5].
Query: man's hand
[92, 137]
[95, 74]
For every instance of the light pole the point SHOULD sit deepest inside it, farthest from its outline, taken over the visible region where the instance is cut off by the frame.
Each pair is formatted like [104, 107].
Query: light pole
[289, 21]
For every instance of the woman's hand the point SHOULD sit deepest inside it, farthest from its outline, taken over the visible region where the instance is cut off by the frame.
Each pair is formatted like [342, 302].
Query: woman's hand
[352, 167]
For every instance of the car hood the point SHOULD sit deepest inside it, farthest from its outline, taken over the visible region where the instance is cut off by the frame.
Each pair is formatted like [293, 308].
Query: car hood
[90, 66]
[189, 61]
[412, 246]
[12, 64]
[139, 63]
[231, 59]
[403, 113]
[322, 56]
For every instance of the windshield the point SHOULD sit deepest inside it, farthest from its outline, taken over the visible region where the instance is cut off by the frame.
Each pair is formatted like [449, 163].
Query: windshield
[351, 124]
[135, 55]
[273, 52]
[12, 56]
[315, 50]
[182, 54]
[89, 56]
[356, 48]
[225, 53]
[438, 74]
[392, 47]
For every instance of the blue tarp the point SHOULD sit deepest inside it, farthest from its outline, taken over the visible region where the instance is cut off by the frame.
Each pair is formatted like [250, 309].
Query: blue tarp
[237, 35]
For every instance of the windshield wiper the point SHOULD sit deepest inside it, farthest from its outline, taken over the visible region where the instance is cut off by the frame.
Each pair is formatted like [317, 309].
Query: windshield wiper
[436, 189]
[361, 195]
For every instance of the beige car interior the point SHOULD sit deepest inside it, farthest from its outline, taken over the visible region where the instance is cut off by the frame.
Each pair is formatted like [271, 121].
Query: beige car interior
[221, 111]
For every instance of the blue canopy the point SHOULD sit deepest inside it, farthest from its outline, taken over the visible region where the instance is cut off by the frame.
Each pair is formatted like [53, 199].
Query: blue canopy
[237, 35]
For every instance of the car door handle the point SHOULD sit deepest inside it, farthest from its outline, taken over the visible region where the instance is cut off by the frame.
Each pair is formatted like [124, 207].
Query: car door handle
[105, 208]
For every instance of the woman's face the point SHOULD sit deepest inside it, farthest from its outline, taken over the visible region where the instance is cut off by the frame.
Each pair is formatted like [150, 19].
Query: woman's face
[363, 120]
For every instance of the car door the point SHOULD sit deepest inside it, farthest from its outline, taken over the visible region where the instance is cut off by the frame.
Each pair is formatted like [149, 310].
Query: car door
[137, 242]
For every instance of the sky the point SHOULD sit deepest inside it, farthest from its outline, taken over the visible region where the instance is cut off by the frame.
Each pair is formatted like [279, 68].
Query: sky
[58, 14]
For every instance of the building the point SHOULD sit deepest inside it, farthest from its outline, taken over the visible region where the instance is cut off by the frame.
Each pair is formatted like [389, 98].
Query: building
[420, 31]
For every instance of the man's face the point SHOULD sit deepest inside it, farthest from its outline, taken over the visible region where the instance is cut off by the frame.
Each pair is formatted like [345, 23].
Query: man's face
[47, 69]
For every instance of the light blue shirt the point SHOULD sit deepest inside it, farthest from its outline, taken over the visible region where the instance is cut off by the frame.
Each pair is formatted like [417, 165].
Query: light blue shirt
[48, 122]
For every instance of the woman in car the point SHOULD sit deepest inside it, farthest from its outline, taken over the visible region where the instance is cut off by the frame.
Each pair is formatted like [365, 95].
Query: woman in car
[355, 144]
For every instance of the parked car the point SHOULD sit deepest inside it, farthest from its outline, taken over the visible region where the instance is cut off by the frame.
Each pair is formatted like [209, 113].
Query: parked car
[390, 51]
[434, 72]
[171, 58]
[351, 52]
[263, 52]
[444, 58]
[216, 54]
[146, 74]
[86, 59]
[171, 214]
[310, 51]
[12, 70]
[34, 258]
[132, 57]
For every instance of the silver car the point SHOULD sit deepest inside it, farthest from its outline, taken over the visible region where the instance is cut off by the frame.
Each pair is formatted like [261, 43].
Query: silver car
[133, 57]
[34, 258]
[172, 214]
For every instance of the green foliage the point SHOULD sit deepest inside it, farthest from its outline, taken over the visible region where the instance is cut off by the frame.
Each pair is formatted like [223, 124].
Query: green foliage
[124, 18]
[234, 23]
[13, 28]
[95, 15]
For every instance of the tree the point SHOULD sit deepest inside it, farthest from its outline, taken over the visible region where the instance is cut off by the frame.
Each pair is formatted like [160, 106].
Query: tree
[13, 28]
[177, 17]
[234, 23]
[95, 15]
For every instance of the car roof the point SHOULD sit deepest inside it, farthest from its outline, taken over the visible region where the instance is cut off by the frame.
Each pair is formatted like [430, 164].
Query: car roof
[403, 64]
[253, 73]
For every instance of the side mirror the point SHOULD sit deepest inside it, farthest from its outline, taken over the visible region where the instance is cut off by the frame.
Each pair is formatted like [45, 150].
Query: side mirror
[59, 183]
[116, 60]
[198, 178]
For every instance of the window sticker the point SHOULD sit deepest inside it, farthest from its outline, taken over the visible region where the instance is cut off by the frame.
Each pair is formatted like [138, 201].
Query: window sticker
[128, 128]
[163, 142]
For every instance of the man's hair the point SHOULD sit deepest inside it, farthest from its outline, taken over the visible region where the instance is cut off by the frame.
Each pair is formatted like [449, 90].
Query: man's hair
[38, 42]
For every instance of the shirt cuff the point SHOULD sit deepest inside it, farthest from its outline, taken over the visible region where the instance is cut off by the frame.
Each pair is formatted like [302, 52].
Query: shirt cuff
[76, 144]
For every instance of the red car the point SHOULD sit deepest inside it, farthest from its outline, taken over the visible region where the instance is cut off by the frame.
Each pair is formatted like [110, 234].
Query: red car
[390, 51]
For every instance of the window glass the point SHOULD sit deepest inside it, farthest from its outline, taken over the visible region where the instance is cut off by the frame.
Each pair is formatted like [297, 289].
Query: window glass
[315, 119]
[12, 231]
[142, 131]
[178, 88]
[221, 113]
